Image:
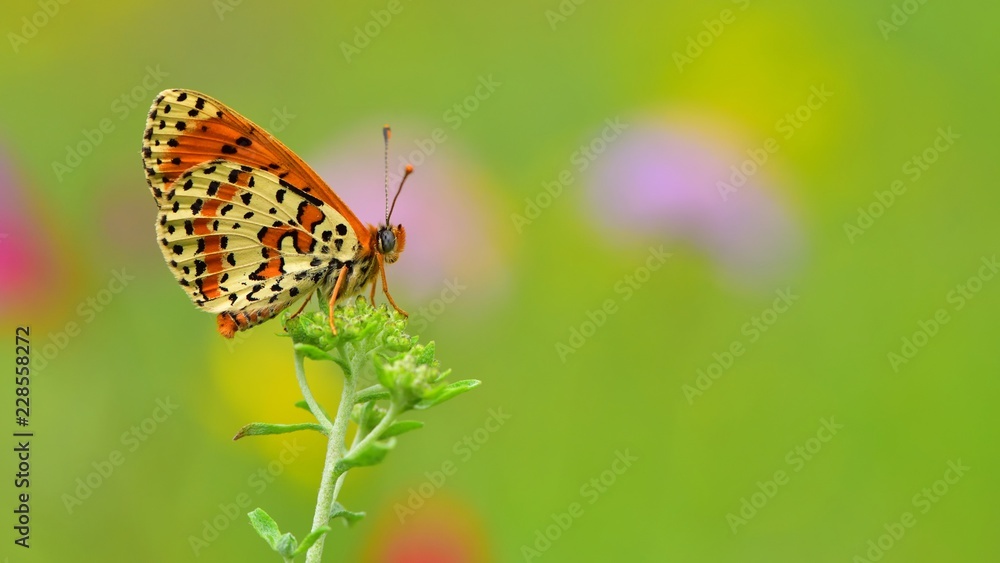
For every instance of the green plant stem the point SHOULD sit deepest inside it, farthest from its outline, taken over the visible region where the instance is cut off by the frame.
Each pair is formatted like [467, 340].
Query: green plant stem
[300, 375]
[358, 443]
[340, 480]
[334, 451]
[388, 419]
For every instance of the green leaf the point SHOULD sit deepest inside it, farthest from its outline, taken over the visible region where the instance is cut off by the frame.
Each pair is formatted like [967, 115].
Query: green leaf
[349, 517]
[305, 406]
[448, 392]
[266, 527]
[401, 427]
[286, 546]
[311, 352]
[264, 428]
[373, 393]
[309, 540]
[424, 355]
[316, 353]
[373, 454]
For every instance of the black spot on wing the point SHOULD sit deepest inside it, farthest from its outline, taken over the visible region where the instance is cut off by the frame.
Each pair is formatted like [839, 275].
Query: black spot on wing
[301, 193]
[255, 289]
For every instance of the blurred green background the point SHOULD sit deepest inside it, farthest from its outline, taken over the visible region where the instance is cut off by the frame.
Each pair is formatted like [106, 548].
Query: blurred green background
[845, 281]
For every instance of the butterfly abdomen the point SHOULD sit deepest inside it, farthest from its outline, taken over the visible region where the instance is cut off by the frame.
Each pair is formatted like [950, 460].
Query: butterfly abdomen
[229, 323]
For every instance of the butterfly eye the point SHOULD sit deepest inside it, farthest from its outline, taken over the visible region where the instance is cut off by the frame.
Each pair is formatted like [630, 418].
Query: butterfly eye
[387, 240]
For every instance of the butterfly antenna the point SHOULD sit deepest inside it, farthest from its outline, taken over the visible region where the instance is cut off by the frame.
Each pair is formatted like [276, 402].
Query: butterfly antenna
[386, 133]
[409, 170]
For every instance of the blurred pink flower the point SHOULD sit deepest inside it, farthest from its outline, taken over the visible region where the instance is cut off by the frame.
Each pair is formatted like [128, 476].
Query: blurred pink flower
[26, 250]
[453, 227]
[443, 529]
[128, 218]
[662, 179]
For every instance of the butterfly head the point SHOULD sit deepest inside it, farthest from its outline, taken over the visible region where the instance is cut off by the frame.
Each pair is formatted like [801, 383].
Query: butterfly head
[390, 241]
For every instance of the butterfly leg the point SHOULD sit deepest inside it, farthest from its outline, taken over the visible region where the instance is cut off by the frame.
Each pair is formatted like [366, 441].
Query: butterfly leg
[371, 298]
[304, 303]
[385, 287]
[336, 292]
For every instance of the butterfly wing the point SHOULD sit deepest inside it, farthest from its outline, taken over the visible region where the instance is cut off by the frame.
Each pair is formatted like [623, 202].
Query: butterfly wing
[243, 240]
[187, 128]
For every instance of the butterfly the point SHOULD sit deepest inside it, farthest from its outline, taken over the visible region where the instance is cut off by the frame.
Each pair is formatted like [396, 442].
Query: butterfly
[245, 225]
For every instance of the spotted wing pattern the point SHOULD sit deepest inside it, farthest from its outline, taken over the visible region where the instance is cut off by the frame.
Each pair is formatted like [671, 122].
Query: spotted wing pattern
[242, 240]
[187, 128]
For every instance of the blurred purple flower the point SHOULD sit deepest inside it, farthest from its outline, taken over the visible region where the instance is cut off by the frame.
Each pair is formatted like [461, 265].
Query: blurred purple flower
[662, 179]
